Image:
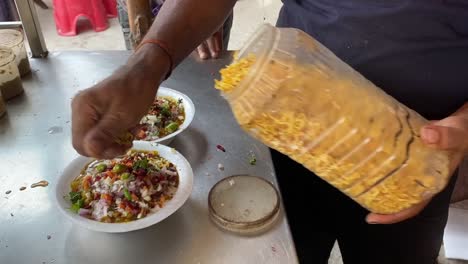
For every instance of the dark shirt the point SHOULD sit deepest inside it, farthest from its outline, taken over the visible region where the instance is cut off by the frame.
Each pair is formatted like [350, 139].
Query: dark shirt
[415, 50]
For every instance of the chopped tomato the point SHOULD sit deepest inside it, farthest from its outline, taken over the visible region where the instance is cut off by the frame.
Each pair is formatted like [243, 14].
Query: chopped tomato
[106, 197]
[110, 174]
[141, 134]
[134, 197]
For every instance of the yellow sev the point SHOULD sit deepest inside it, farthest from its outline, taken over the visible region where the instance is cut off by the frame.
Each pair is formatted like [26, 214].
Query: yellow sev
[354, 163]
[232, 75]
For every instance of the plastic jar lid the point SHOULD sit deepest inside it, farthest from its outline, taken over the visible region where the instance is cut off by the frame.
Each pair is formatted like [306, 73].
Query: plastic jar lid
[6, 56]
[244, 204]
[11, 37]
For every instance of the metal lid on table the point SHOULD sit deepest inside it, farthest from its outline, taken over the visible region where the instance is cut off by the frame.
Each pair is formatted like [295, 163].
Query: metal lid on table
[244, 204]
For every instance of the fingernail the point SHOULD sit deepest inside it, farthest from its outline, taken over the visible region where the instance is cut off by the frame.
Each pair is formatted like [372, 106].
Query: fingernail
[214, 54]
[370, 221]
[203, 55]
[430, 135]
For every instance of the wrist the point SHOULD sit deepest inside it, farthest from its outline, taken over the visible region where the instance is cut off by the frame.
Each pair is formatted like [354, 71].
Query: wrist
[151, 61]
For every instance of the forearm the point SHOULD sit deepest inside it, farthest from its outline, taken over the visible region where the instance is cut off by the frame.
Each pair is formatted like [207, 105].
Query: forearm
[463, 110]
[183, 24]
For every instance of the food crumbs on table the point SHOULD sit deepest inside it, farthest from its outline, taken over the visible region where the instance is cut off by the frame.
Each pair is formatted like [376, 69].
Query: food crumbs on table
[22, 188]
[220, 167]
[40, 184]
[219, 147]
[8, 192]
[273, 249]
[252, 159]
[173, 150]
[207, 174]
[12, 214]
[49, 237]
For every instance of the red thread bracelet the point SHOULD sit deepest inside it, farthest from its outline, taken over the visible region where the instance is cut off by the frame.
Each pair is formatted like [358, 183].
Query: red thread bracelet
[162, 45]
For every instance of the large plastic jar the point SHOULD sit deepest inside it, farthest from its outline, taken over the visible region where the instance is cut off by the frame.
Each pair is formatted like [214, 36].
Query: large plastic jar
[10, 81]
[296, 96]
[14, 39]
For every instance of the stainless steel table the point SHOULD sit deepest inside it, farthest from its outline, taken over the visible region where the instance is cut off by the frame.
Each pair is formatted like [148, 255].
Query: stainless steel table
[35, 145]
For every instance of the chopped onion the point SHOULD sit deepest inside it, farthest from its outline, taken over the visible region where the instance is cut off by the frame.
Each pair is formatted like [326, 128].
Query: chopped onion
[168, 172]
[84, 212]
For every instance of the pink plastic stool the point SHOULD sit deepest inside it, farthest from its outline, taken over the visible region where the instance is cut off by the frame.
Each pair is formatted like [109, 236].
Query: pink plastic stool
[67, 13]
[111, 8]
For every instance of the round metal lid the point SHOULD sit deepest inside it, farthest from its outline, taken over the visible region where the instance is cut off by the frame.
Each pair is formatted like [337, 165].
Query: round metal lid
[244, 204]
[11, 37]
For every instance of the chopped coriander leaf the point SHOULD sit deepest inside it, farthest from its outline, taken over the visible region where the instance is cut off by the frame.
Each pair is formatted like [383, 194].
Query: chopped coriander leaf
[77, 205]
[166, 111]
[74, 196]
[141, 164]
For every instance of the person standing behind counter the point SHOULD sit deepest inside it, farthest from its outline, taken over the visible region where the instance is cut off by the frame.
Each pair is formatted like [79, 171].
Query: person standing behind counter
[210, 48]
[415, 50]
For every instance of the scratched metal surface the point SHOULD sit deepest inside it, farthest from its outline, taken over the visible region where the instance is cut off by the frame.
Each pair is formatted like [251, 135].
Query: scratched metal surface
[35, 145]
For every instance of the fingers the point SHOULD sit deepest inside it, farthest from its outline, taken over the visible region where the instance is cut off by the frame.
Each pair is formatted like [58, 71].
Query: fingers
[203, 51]
[102, 141]
[374, 218]
[215, 44]
[84, 117]
[447, 134]
[211, 47]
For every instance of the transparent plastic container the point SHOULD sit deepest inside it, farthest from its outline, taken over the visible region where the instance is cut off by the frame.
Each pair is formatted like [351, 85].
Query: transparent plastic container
[14, 39]
[244, 204]
[300, 99]
[10, 80]
[2, 106]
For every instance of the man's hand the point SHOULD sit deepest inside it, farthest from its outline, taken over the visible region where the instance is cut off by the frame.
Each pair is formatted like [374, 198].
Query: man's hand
[104, 113]
[211, 47]
[451, 134]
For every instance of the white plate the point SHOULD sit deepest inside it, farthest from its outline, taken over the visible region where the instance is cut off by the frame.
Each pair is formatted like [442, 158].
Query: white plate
[182, 194]
[189, 108]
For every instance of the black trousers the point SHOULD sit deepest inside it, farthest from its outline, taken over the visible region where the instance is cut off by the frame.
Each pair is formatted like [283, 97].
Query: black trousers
[319, 215]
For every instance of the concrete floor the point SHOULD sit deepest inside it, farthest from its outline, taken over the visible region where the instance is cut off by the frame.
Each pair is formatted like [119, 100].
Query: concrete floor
[247, 18]
[87, 39]
[248, 15]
